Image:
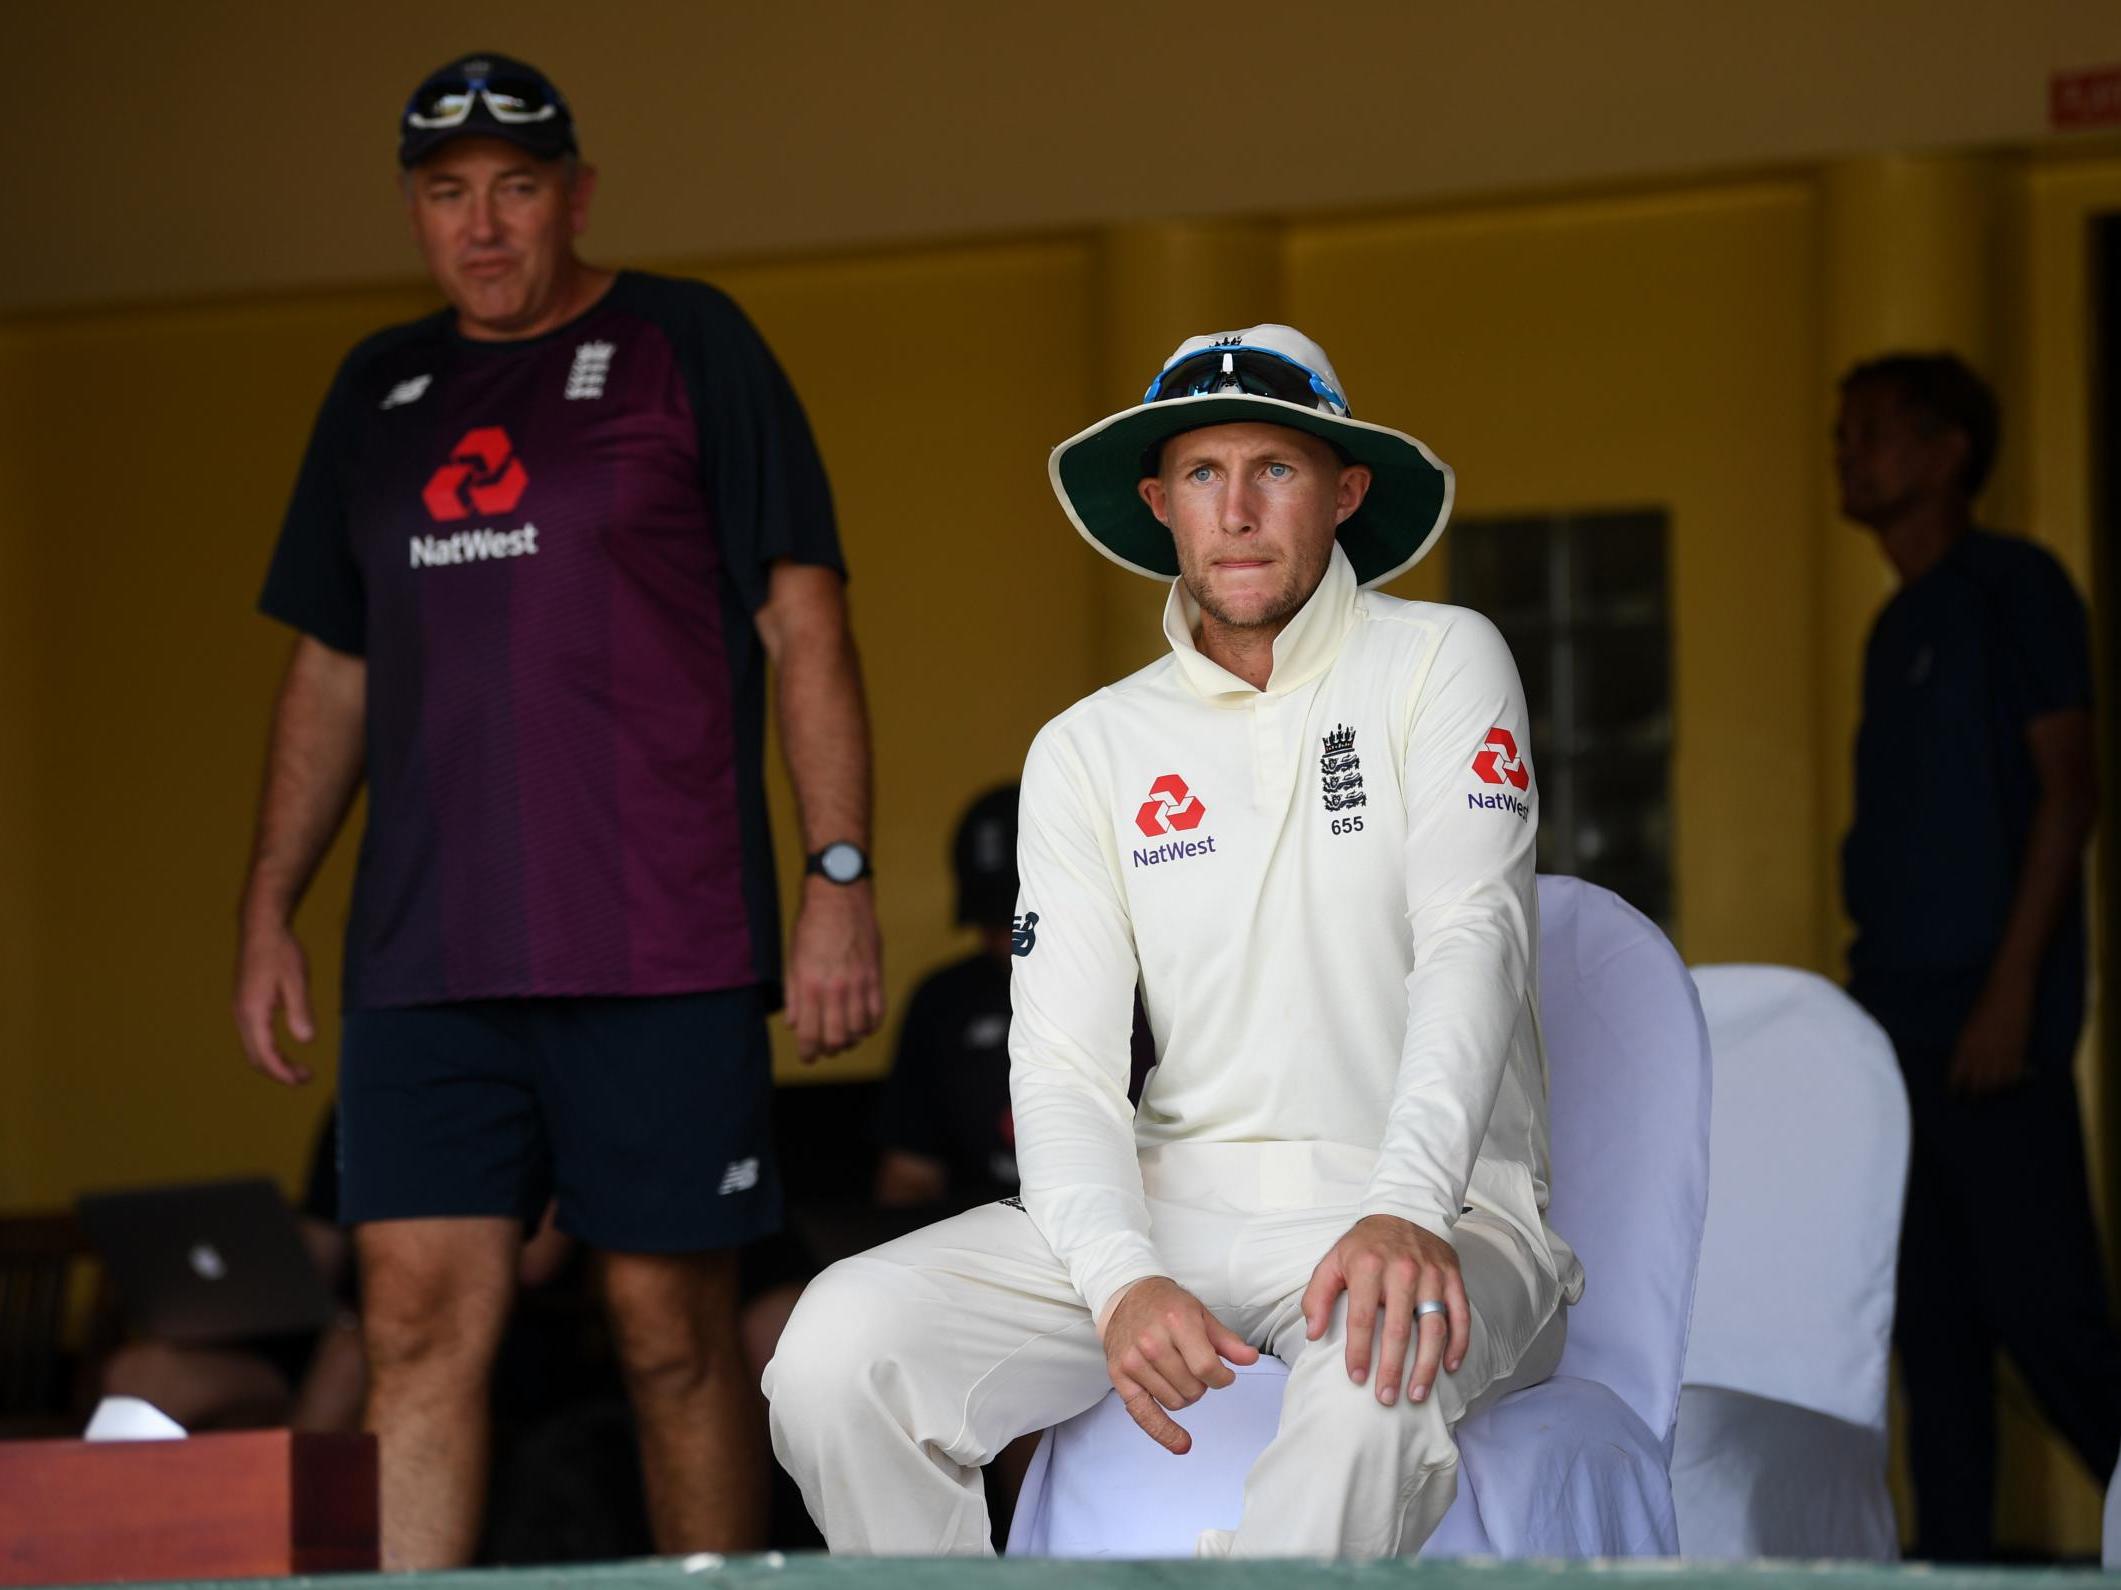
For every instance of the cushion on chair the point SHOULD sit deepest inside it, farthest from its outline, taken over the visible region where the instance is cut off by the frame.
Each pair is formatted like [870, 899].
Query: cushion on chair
[1627, 1056]
[1809, 1139]
[1752, 1477]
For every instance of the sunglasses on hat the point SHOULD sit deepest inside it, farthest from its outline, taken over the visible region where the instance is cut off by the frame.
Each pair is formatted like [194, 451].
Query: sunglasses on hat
[512, 101]
[1259, 372]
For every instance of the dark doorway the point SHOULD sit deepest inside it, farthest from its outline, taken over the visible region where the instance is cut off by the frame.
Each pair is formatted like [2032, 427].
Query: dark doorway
[2106, 648]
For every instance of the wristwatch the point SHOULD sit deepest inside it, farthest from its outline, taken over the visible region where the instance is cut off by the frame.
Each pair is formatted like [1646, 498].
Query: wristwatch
[842, 861]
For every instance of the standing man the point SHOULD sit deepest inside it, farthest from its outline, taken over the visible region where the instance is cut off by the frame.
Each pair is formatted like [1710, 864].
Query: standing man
[543, 549]
[1341, 1157]
[1963, 873]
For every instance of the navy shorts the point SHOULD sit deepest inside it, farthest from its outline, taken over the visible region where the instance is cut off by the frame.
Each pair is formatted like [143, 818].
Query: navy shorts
[647, 1118]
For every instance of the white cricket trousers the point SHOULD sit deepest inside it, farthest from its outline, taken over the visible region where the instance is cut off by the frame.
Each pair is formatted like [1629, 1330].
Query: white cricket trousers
[906, 1368]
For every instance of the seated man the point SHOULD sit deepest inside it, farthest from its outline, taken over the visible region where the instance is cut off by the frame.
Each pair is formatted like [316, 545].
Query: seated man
[1307, 834]
[307, 1380]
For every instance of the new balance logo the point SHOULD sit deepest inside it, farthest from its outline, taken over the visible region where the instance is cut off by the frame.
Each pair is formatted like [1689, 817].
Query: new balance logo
[592, 362]
[741, 1176]
[406, 392]
[474, 546]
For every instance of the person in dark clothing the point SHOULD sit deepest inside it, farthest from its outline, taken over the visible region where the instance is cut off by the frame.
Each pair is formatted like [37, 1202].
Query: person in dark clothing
[945, 1129]
[545, 550]
[306, 1380]
[1963, 874]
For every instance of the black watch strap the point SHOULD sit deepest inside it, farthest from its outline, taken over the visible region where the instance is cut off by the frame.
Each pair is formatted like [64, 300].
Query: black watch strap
[842, 861]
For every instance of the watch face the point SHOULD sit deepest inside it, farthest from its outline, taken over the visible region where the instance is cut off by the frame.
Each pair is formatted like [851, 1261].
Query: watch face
[842, 862]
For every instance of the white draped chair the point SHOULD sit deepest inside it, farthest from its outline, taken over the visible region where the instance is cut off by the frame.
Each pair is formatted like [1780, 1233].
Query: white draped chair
[1781, 1447]
[1574, 1467]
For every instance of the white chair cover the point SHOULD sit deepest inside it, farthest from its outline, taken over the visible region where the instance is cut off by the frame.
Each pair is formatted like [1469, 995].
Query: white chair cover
[1575, 1467]
[1752, 1477]
[1810, 1145]
[1781, 1443]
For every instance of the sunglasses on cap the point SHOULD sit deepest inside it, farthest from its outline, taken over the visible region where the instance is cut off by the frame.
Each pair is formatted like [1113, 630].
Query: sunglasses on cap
[1261, 372]
[512, 101]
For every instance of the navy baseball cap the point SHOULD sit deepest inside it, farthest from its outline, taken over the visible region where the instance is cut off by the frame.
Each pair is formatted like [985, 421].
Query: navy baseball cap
[486, 95]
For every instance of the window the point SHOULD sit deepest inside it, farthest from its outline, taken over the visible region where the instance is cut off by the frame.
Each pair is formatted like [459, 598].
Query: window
[1581, 600]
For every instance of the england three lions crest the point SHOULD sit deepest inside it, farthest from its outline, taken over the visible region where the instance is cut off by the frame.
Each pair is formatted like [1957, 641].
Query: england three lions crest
[1340, 771]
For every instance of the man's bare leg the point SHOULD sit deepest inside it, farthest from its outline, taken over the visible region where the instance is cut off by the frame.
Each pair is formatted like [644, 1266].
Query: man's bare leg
[434, 1297]
[703, 1439]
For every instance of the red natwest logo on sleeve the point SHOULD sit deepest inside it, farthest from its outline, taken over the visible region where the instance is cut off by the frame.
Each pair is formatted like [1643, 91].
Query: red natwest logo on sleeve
[483, 472]
[1497, 761]
[1170, 806]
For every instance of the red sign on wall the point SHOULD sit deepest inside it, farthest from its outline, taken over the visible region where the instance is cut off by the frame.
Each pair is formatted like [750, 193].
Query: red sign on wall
[2079, 101]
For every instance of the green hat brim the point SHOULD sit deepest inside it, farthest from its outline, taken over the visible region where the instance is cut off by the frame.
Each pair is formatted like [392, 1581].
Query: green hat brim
[1097, 475]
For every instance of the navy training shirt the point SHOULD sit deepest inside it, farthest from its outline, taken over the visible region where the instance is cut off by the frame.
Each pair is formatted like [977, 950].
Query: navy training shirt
[1960, 661]
[549, 551]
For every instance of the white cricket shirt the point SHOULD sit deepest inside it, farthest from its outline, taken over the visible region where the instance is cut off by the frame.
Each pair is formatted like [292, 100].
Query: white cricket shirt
[1324, 890]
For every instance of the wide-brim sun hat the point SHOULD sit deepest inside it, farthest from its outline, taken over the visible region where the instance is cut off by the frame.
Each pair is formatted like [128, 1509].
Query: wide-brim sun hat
[1267, 374]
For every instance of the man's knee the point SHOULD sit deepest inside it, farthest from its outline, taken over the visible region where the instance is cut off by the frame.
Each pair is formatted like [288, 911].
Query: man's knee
[1420, 1429]
[1322, 1397]
[433, 1298]
[849, 1321]
[673, 1317]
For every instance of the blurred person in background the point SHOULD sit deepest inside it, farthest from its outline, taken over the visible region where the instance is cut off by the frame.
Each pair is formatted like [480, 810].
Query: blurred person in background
[309, 1380]
[1964, 875]
[944, 1127]
[542, 552]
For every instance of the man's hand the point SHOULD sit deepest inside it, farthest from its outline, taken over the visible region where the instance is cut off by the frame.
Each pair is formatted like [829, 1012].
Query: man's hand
[1163, 1349]
[1385, 1263]
[835, 968]
[272, 975]
[1991, 1052]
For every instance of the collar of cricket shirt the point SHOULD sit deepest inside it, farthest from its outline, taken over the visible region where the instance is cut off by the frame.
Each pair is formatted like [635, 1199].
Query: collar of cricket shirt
[1302, 651]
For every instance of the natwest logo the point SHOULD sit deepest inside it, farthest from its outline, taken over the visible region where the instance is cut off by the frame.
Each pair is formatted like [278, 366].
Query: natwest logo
[1497, 761]
[1170, 806]
[483, 473]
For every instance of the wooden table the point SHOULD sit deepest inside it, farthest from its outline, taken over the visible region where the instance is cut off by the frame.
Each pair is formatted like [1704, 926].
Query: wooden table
[258, 1502]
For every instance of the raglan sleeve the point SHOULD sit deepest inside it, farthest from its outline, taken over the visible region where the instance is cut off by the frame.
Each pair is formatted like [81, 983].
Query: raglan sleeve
[314, 582]
[1472, 826]
[760, 465]
[1070, 1032]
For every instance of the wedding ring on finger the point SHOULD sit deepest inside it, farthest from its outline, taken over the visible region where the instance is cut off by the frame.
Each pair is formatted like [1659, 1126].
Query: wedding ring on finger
[1431, 1306]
